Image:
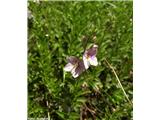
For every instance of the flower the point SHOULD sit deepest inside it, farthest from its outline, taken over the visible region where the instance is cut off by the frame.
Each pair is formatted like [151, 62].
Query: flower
[89, 57]
[75, 66]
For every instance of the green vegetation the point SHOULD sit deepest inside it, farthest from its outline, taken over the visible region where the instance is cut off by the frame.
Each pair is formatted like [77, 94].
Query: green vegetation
[57, 30]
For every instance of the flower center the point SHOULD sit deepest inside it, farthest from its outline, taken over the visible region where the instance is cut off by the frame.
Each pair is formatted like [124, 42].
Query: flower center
[88, 56]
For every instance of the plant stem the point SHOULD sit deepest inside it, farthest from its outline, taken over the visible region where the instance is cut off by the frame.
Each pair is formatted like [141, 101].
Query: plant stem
[48, 111]
[118, 81]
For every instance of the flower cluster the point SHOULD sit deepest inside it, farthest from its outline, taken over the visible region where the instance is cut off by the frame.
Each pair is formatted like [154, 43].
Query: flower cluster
[77, 66]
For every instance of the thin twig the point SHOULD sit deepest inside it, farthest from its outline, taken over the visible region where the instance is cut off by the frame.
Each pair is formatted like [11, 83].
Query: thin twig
[91, 111]
[95, 107]
[118, 81]
[81, 113]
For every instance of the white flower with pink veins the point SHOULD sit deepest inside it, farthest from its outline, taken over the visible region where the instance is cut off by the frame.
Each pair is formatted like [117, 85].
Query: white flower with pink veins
[75, 66]
[89, 57]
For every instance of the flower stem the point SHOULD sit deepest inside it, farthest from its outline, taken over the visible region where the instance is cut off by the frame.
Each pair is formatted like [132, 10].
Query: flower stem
[118, 81]
[48, 110]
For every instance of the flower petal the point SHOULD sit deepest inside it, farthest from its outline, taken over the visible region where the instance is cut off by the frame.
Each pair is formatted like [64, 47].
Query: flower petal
[68, 67]
[74, 73]
[92, 51]
[93, 61]
[86, 62]
[73, 60]
[79, 69]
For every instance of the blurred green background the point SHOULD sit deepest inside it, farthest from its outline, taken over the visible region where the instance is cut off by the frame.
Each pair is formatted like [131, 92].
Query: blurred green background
[57, 30]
